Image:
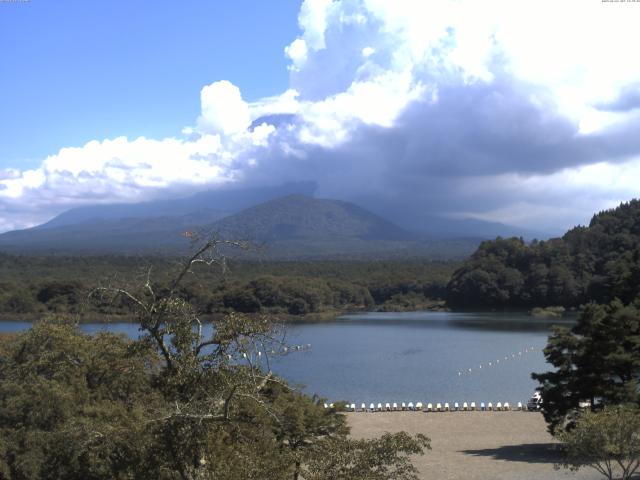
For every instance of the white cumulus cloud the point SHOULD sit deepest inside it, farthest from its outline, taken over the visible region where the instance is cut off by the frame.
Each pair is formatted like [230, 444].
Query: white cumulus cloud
[223, 109]
[525, 113]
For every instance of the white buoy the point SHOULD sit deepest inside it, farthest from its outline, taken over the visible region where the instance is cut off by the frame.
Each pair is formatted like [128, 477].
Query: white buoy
[489, 363]
[459, 373]
[473, 406]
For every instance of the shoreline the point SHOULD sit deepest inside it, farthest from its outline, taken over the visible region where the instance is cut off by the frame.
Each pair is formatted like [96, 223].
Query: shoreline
[328, 315]
[324, 316]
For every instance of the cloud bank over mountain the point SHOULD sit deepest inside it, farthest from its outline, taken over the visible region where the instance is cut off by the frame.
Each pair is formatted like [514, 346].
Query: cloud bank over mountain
[520, 113]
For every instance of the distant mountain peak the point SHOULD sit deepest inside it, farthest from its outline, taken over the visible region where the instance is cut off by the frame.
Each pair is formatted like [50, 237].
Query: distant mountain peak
[216, 204]
[301, 216]
[289, 220]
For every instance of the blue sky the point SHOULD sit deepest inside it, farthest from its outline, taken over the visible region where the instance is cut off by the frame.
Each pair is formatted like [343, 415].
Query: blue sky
[459, 108]
[72, 70]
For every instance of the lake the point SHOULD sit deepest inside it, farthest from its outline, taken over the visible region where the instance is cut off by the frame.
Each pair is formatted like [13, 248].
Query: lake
[408, 357]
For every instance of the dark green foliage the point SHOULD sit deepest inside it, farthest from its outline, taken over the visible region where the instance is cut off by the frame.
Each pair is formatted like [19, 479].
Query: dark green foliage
[295, 295]
[606, 441]
[595, 263]
[73, 406]
[598, 361]
[33, 285]
[384, 458]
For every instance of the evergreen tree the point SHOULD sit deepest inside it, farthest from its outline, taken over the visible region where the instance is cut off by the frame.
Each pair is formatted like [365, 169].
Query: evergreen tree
[598, 360]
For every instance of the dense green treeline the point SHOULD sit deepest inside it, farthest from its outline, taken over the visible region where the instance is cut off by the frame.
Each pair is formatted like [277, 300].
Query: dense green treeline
[597, 263]
[597, 361]
[31, 286]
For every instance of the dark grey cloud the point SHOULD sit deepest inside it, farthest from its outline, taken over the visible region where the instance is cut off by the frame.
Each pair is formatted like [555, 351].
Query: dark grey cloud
[628, 99]
[426, 162]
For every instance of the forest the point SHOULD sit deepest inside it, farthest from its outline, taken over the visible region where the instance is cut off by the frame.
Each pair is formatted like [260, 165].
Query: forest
[595, 263]
[599, 262]
[32, 286]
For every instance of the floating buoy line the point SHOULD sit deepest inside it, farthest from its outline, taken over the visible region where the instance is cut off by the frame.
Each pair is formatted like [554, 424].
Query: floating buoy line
[258, 354]
[497, 362]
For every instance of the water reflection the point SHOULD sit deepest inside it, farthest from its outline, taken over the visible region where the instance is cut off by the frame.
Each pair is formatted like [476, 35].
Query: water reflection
[487, 321]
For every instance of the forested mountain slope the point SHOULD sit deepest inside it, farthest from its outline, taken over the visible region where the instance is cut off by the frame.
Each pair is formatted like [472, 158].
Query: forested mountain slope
[595, 263]
[292, 227]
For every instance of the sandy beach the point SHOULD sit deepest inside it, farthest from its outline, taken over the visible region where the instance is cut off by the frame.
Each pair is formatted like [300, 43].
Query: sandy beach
[475, 445]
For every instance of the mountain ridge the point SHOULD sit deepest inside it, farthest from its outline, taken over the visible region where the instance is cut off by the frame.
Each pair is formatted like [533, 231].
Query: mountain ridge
[293, 226]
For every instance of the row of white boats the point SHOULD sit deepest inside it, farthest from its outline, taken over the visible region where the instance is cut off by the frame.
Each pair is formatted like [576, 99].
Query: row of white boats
[430, 407]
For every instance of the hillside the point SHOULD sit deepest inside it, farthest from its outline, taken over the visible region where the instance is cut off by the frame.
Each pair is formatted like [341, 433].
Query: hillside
[290, 227]
[286, 220]
[302, 217]
[127, 236]
[595, 263]
[216, 204]
[301, 227]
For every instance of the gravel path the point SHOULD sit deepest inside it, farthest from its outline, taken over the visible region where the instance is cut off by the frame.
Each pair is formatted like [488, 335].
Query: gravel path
[475, 445]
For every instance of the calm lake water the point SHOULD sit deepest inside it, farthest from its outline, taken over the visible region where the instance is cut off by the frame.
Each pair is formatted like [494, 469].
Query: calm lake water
[410, 357]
